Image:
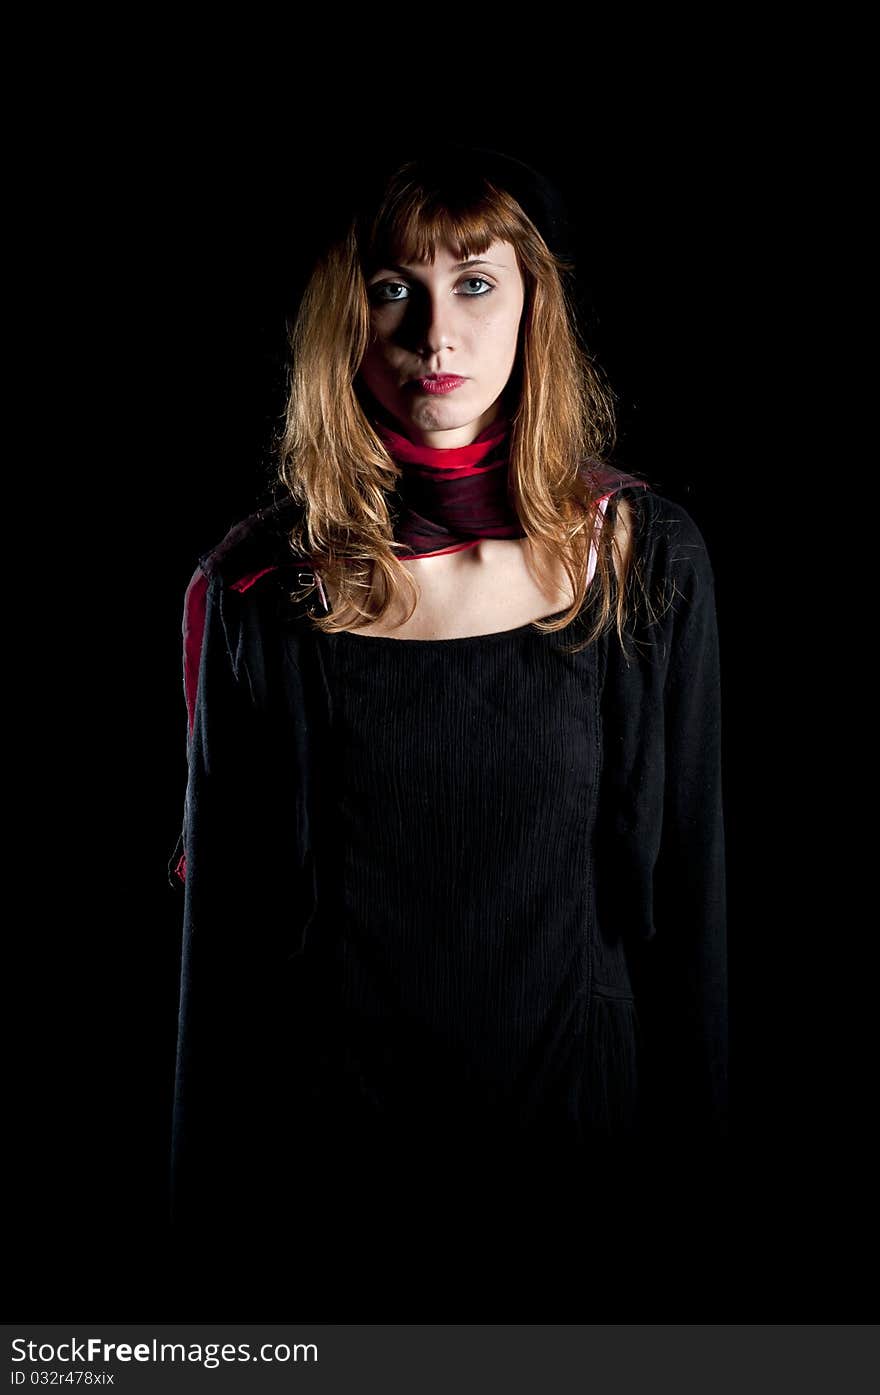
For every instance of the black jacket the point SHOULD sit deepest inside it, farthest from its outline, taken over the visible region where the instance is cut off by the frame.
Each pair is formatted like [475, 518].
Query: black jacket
[243, 1122]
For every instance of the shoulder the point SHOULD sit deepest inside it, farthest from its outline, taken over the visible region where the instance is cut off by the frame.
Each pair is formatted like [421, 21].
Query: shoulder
[254, 546]
[669, 574]
[674, 601]
[656, 532]
[242, 564]
[663, 534]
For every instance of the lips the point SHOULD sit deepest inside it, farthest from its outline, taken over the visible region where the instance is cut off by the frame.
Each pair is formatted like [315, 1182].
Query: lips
[438, 383]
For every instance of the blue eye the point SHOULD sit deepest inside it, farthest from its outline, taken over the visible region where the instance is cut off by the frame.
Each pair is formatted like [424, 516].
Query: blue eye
[385, 286]
[487, 284]
[400, 286]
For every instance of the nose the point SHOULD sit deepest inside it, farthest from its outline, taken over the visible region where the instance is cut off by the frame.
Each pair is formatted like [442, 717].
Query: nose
[432, 328]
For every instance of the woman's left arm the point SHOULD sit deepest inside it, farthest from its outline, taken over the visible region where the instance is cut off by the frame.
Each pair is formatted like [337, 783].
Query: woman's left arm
[686, 960]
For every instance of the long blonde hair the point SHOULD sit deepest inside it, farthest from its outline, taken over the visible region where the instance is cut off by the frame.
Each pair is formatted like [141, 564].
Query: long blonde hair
[336, 467]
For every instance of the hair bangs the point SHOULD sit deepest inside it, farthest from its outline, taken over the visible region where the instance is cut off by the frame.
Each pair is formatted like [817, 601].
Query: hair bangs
[412, 229]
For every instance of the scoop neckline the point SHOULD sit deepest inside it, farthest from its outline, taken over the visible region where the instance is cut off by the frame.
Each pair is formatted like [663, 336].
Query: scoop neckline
[452, 639]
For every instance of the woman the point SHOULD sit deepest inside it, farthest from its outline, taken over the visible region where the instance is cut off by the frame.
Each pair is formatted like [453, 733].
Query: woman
[453, 836]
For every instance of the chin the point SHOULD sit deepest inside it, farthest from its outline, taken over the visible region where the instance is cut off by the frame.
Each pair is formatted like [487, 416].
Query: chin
[447, 415]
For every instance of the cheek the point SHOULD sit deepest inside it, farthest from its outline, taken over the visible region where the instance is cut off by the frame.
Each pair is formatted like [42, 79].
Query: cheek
[377, 350]
[499, 334]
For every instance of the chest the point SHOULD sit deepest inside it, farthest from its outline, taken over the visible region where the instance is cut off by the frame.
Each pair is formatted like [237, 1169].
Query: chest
[461, 727]
[495, 586]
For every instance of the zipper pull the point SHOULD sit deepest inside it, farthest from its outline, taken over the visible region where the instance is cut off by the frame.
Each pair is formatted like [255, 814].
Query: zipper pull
[309, 575]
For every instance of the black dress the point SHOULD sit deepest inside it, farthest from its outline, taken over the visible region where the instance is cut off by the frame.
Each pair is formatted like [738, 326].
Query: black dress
[455, 910]
[460, 792]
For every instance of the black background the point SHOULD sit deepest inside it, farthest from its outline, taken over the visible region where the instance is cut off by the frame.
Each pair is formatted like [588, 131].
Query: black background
[160, 354]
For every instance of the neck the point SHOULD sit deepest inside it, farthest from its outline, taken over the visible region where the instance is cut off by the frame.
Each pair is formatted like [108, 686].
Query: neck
[450, 497]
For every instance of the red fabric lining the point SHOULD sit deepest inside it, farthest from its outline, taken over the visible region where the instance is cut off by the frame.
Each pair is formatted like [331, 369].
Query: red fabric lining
[194, 607]
[247, 581]
[194, 613]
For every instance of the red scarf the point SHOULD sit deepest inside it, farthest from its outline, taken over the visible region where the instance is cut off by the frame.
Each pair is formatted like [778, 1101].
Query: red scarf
[448, 499]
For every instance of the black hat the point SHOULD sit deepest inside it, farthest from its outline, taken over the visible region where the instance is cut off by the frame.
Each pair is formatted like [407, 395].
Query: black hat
[456, 164]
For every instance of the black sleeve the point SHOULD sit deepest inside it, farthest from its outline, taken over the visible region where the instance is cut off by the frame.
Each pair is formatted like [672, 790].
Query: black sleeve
[661, 838]
[682, 970]
[240, 921]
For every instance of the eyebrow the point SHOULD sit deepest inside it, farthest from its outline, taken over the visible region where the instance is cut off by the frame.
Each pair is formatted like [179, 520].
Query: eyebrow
[459, 266]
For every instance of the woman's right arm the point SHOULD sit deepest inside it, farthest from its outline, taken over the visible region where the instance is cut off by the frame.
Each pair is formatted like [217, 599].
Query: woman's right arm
[244, 896]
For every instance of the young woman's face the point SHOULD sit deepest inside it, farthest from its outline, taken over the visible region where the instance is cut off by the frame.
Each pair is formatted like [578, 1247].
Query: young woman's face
[444, 319]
